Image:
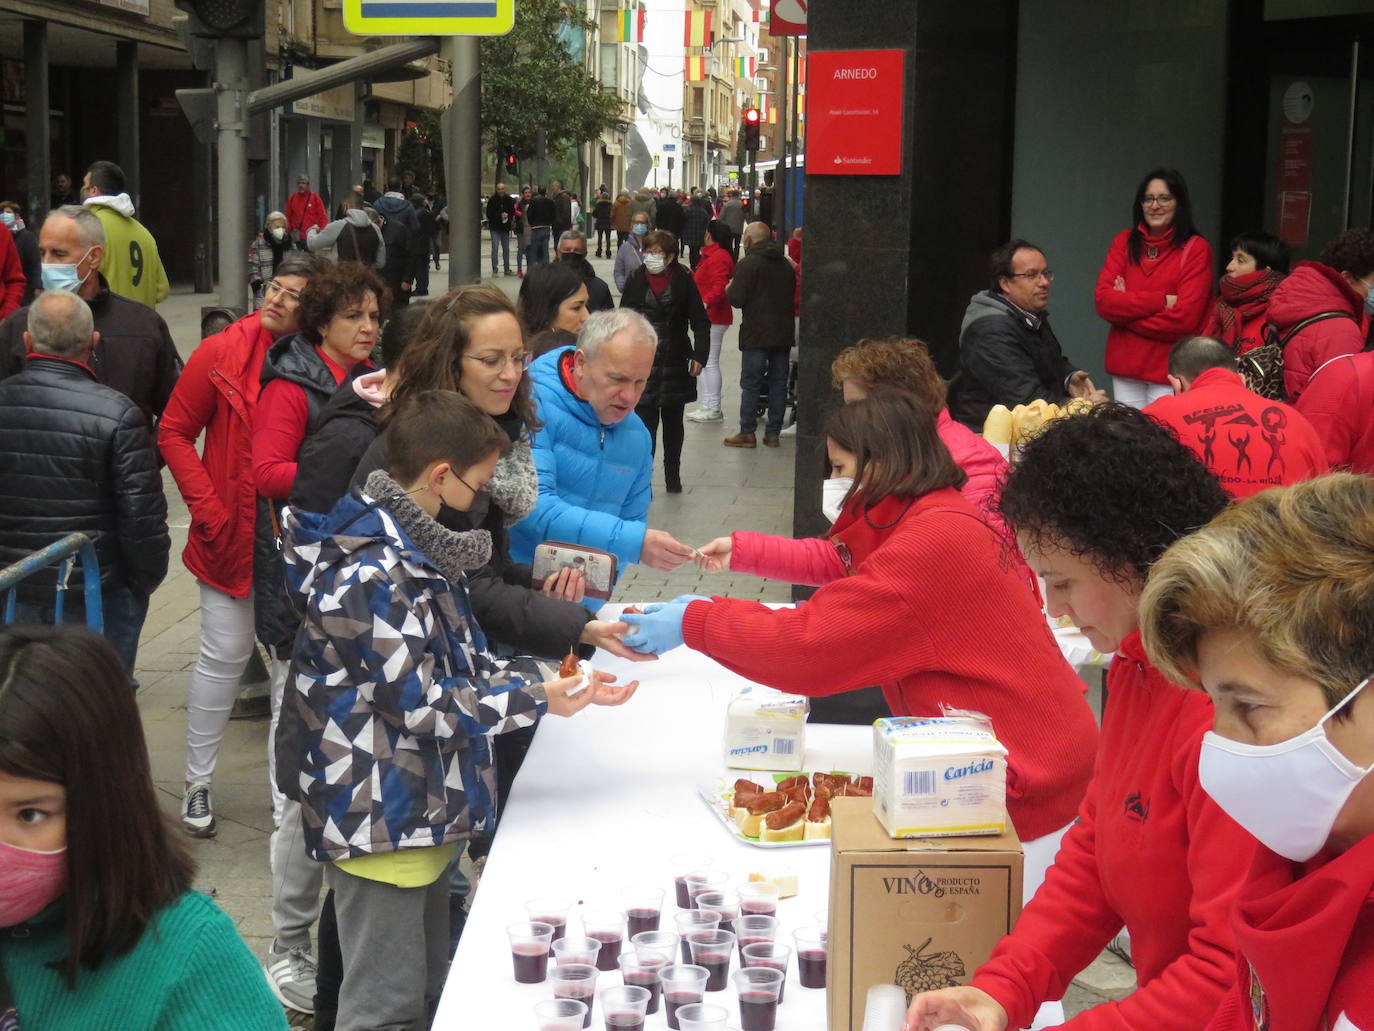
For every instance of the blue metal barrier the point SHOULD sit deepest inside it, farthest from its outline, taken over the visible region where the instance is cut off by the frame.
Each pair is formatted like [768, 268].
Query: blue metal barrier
[63, 553]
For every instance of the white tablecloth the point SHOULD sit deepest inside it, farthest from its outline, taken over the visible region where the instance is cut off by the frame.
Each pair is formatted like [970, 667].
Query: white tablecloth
[604, 800]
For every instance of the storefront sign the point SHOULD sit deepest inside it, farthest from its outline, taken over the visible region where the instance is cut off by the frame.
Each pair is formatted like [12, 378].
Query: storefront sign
[336, 103]
[854, 112]
[131, 6]
[374, 137]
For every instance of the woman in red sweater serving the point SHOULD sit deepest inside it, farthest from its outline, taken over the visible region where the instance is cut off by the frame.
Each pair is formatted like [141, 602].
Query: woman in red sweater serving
[1154, 288]
[1094, 501]
[932, 609]
[1269, 610]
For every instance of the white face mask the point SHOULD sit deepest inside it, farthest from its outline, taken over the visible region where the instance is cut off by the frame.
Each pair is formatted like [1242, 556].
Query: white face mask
[833, 492]
[655, 262]
[1287, 795]
[278, 232]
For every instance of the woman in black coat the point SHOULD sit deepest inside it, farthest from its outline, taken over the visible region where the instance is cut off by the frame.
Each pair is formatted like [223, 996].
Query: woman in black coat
[663, 292]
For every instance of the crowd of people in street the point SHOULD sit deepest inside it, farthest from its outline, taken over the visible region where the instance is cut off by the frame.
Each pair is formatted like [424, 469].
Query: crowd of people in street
[368, 480]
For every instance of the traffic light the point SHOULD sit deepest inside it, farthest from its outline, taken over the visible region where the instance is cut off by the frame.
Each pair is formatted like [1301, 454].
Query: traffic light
[511, 164]
[751, 129]
[242, 18]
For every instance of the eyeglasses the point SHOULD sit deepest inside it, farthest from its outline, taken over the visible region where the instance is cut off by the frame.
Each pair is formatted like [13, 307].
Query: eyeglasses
[1163, 200]
[520, 361]
[1031, 277]
[273, 287]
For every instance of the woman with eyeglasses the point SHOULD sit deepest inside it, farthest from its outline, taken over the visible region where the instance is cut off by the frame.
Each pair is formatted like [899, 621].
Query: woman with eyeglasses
[217, 396]
[1155, 288]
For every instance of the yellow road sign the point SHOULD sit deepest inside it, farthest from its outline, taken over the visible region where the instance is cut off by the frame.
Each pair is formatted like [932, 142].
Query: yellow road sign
[429, 17]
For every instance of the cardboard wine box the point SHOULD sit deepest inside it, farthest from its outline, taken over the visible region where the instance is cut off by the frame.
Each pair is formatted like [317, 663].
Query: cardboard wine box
[922, 913]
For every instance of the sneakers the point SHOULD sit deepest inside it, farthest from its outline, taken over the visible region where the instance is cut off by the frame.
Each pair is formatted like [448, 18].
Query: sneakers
[741, 440]
[789, 430]
[1120, 946]
[197, 817]
[705, 415]
[291, 976]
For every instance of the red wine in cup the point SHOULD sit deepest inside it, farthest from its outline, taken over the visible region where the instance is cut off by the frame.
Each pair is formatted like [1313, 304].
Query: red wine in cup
[558, 923]
[758, 1011]
[642, 920]
[531, 962]
[686, 951]
[647, 979]
[771, 965]
[624, 1022]
[684, 900]
[758, 907]
[582, 992]
[671, 1002]
[811, 968]
[717, 965]
[751, 940]
[609, 956]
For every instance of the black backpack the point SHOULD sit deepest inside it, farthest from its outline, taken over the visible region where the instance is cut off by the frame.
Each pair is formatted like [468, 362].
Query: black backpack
[1262, 368]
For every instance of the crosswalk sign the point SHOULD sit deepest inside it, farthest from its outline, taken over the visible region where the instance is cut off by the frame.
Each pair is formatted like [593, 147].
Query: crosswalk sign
[429, 17]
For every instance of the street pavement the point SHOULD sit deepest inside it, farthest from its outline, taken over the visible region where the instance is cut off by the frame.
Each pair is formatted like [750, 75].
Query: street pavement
[724, 489]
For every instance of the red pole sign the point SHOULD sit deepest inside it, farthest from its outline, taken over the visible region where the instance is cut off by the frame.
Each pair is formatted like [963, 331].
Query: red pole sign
[854, 112]
[787, 18]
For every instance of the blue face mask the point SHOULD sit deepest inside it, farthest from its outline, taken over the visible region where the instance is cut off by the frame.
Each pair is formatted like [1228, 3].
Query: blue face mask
[64, 277]
[1369, 303]
[639, 229]
[7, 219]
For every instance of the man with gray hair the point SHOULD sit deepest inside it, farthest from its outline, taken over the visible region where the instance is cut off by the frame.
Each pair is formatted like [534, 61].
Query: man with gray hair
[76, 457]
[136, 355]
[572, 251]
[593, 455]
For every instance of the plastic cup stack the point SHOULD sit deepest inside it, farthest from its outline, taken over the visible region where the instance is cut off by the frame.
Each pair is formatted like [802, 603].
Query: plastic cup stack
[885, 1008]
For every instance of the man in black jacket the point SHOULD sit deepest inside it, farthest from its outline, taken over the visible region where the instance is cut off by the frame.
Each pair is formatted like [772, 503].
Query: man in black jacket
[500, 221]
[135, 355]
[764, 287]
[540, 215]
[572, 250]
[1008, 354]
[76, 457]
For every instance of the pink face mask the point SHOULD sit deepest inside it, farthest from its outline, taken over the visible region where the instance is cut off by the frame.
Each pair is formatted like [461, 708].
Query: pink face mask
[29, 881]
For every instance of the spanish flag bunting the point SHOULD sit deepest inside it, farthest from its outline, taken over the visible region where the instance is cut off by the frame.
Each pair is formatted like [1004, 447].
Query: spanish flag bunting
[801, 106]
[696, 28]
[796, 71]
[696, 69]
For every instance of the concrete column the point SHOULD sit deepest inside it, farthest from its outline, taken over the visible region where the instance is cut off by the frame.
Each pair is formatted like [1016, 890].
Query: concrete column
[127, 114]
[37, 134]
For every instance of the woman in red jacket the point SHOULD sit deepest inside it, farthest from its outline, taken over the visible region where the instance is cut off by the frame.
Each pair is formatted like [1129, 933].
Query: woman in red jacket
[217, 395]
[1259, 261]
[1094, 501]
[712, 274]
[931, 610]
[1269, 609]
[1154, 288]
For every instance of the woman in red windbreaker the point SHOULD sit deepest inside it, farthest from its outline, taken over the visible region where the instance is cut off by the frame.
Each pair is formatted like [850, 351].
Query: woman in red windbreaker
[1259, 262]
[712, 274]
[1269, 610]
[1154, 288]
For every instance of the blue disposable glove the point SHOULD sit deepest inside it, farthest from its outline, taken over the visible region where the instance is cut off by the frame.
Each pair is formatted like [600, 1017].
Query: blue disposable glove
[657, 629]
[685, 598]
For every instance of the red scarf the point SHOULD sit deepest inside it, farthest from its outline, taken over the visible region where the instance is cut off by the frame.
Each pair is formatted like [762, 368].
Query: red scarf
[860, 531]
[1243, 298]
[658, 281]
[1158, 246]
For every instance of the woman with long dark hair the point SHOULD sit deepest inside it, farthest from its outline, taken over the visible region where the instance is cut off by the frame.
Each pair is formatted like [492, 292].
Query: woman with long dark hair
[1155, 288]
[552, 306]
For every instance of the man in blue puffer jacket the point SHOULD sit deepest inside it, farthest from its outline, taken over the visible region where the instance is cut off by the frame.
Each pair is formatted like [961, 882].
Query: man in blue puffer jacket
[593, 455]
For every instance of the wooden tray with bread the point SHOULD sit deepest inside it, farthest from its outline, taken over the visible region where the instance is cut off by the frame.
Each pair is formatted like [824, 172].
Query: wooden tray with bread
[794, 811]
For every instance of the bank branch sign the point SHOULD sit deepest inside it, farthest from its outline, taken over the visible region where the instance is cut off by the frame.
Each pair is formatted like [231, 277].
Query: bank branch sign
[429, 17]
[854, 112]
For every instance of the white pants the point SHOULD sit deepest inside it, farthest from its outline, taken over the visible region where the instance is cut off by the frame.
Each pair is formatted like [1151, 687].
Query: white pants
[710, 378]
[226, 644]
[1138, 392]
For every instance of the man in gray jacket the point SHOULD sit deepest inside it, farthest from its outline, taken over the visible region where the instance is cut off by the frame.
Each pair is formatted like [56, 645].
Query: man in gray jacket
[353, 238]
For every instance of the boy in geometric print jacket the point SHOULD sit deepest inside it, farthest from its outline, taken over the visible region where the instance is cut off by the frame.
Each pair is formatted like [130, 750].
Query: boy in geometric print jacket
[396, 695]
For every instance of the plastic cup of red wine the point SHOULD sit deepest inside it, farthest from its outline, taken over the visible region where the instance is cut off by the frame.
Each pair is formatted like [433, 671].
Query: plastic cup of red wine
[690, 921]
[683, 984]
[624, 1006]
[608, 927]
[810, 942]
[758, 989]
[700, 883]
[551, 911]
[529, 948]
[712, 950]
[725, 904]
[702, 1016]
[560, 1014]
[576, 950]
[662, 944]
[758, 898]
[750, 930]
[772, 954]
[576, 981]
[682, 865]
[643, 907]
[643, 971]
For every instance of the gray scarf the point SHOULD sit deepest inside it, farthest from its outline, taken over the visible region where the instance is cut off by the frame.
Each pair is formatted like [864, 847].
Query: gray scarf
[452, 551]
[515, 485]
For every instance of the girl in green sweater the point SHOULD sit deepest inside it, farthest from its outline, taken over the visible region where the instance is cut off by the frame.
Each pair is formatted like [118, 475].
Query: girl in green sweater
[99, 927]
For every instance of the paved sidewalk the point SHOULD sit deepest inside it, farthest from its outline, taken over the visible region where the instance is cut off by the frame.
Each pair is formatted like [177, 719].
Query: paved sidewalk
[724, 489]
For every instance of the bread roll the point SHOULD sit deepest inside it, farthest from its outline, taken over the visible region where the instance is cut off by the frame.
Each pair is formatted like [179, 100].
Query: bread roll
[997, 426]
